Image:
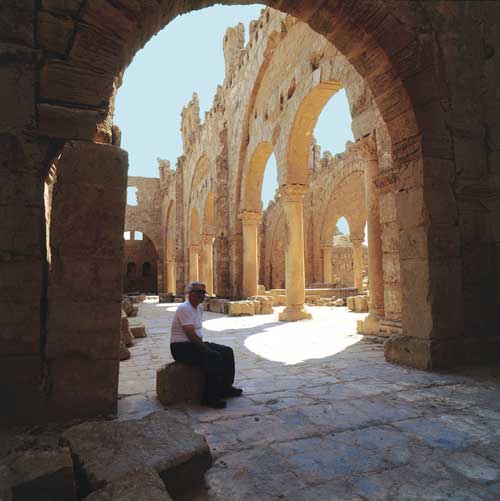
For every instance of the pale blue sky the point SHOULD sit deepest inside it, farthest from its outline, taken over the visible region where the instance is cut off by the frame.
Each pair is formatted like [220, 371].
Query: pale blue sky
[187, 57]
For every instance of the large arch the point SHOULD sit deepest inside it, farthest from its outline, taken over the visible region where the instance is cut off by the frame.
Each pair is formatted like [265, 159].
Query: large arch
[66, 94]
[251, 187]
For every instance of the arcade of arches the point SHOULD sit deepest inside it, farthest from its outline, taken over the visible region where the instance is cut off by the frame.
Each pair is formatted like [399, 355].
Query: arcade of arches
[422, 175]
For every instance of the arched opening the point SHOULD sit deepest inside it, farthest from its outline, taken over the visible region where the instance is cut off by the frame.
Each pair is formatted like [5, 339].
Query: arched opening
[194, 245]
[141, 265]
[207, 241]
[131, 269]
[73, 95]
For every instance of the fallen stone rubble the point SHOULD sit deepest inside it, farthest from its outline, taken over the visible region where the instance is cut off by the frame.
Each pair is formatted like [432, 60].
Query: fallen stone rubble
[156, 458]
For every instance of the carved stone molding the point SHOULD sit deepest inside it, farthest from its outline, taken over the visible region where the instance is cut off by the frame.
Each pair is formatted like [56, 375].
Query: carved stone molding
[386, 179]
[293, 192]
[247, 216]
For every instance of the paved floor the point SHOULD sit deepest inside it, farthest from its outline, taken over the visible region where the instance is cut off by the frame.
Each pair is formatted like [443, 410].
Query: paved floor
[324, 417]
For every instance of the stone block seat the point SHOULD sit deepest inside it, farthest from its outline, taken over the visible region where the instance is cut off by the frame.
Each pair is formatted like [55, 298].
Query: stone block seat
[178, 383]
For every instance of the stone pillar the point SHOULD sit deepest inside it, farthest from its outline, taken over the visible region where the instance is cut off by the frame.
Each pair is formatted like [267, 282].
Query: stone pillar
[82, 345]
[171, 279]
[194, 252]
[371, 325]
[327, 263]
[357, 258]
[250, 222]
[293, 204]
[208, 262]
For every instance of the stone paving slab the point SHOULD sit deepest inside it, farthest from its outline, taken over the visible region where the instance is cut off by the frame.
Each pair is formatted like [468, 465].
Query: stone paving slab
[330, 421]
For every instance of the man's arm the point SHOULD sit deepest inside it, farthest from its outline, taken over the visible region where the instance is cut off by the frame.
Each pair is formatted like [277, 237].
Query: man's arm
[192, 336]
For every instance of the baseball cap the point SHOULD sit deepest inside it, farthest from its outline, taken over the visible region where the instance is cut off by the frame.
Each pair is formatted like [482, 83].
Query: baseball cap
[195, 286]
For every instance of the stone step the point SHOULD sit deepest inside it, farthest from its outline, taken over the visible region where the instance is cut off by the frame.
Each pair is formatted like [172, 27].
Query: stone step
[105, 451]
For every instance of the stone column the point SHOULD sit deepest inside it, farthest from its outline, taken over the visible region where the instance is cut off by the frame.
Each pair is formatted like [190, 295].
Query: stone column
[293, 203]
[85, 281]
[208, 262]
[171, 281]
[194, 252]
[371, 324]
[250, 222]
[357, 258]
[327, 262]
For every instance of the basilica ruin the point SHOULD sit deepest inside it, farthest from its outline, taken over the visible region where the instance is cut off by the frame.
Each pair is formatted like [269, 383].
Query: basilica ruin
[419, 187]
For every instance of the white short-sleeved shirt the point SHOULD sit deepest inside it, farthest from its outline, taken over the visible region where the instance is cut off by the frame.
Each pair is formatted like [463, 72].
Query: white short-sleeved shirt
[186, 315]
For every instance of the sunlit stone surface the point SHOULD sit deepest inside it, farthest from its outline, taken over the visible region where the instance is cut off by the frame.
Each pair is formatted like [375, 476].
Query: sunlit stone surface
[324, 416]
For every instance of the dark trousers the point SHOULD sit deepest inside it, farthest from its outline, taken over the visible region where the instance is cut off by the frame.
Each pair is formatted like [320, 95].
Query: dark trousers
[217, 363]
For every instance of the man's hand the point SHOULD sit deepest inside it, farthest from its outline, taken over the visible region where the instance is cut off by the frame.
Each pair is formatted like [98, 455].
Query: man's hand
[193, 337]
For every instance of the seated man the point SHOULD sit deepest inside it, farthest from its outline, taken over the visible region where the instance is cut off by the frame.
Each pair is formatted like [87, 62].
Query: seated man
[187, 346]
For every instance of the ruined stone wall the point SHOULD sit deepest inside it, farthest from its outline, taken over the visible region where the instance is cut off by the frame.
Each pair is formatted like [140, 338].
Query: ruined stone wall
[217, 156]
[432, 69]
[336, 191]
[146, 216]
[140, 266]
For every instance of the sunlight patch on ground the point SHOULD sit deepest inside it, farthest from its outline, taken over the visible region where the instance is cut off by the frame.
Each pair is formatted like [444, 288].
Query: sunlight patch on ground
[293, 345]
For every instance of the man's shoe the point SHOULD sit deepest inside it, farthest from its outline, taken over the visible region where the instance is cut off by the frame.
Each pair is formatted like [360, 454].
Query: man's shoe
[215, 404]
[233, 392]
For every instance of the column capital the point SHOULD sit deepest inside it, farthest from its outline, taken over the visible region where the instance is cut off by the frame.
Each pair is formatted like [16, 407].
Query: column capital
[358, 238]
[207, 238]
[248, 216]
[293, 192]
[325, 247]
[366, 147]
[195, 247]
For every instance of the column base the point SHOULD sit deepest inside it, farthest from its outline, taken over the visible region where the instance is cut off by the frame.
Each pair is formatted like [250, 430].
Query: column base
[426, 354]
[294, 314]
[370, 325]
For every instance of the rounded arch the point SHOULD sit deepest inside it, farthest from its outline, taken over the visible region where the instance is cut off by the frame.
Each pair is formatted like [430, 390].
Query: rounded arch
[346, 200]
[201, 172]
[170, 239]
[301, 134]
[254, 176]
[194, 227]
[209, 214]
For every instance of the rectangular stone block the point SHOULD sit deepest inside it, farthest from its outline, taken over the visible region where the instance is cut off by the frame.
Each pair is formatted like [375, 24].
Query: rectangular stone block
[390, 266]
[392, 301]
[17, 98]
[413, 242]
[38, 474]
[21, 230]
[90, 329]
[20, 280]
[417, 308]
[238, 308]
[21, 390]
[390, 237]
[68, 123]
[17, 22]
[20, 327]
[63, 81]
[387, 208]
[85, 279]
[82, 387]
[54, 32]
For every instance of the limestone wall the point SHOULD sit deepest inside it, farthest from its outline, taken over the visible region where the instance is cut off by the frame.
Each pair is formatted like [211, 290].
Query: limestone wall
[146, 216]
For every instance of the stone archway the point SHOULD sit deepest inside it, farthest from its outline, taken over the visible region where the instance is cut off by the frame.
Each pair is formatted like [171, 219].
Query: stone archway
[194, 245]
[143, 254]
[66, 94]
[207, 242]
[251, 214]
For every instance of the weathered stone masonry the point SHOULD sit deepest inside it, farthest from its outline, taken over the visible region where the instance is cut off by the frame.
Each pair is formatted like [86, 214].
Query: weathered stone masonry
[430, 73]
